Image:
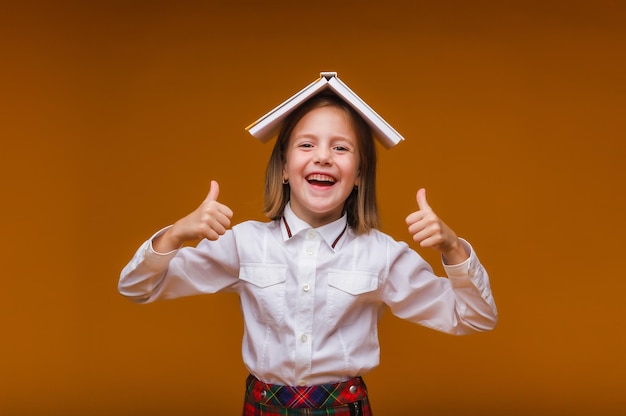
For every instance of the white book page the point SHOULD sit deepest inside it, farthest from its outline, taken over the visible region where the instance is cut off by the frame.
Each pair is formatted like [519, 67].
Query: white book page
[387, 134]
[267, 126]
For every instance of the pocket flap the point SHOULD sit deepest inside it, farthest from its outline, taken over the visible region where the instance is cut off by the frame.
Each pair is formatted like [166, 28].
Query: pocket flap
[263, 275]
[353, 282]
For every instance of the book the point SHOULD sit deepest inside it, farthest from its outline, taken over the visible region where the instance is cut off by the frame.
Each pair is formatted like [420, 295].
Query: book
[268, 126]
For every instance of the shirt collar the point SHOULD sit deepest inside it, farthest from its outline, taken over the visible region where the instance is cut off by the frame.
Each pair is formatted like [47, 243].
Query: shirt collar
[331, 233]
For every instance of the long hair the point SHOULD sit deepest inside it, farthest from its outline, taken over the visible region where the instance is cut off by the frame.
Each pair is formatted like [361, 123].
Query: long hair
[361, 205]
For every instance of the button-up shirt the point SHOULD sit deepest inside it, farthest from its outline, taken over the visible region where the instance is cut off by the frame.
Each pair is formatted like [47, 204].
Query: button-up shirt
[312, 297]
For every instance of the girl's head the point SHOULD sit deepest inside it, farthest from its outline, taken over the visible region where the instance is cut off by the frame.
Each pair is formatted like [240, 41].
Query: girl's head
[324, 160]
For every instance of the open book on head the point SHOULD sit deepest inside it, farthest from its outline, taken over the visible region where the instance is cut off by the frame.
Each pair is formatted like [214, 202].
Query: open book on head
[268, 126]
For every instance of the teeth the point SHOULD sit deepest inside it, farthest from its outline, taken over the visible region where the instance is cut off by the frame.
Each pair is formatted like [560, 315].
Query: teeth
[320, 178]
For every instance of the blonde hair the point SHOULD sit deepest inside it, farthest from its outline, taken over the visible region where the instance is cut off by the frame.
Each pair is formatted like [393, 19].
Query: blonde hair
[361, 205]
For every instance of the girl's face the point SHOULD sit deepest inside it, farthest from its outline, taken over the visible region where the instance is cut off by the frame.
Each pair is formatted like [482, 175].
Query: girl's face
[322, 165]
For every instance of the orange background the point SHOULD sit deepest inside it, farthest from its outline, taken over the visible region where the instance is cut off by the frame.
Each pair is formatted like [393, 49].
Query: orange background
[116, 115]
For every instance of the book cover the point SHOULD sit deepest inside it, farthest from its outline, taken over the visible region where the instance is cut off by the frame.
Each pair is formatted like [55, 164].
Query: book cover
[268, 126]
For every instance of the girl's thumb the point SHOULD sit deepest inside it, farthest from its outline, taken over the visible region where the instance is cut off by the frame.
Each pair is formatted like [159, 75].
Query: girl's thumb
[421, 200]
[214, 192]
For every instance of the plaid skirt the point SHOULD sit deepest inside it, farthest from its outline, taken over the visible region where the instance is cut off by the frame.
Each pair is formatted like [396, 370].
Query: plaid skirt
[348, 398]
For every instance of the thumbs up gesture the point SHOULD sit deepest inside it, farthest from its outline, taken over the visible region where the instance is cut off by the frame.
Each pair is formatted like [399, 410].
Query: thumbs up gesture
[429, 231]
[210, 220]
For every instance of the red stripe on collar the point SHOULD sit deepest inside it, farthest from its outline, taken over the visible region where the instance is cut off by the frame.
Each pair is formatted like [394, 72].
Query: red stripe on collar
[287, 227]
[334, 242]
[339, 236]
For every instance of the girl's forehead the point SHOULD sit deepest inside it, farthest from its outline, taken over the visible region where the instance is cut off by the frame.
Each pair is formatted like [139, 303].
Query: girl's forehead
[326, 119]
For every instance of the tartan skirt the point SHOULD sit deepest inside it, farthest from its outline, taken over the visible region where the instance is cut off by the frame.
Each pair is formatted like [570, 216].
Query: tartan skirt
[348, 398]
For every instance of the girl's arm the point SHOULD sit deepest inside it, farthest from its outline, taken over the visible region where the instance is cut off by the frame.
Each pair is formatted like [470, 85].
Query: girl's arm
[467, 287]
[159, 270]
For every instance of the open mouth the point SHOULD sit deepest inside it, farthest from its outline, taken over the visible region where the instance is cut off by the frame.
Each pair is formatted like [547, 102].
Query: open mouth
[321, 180]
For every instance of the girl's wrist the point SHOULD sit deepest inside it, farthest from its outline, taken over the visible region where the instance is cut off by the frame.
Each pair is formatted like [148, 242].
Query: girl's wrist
[455, 254]
[166, 242]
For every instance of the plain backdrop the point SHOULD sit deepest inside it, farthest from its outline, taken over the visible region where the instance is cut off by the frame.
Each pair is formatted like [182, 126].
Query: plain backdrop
[115, 115]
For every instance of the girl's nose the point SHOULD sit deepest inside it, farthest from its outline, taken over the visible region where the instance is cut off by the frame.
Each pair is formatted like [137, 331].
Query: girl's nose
[322, 156]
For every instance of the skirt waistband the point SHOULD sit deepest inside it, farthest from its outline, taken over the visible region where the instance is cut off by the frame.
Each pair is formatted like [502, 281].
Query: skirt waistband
[295, 397]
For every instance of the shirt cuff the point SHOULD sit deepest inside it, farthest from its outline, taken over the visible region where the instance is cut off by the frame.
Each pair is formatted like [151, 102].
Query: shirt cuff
[468, 249]
[154, 259]
[460, 274]
[157, 234]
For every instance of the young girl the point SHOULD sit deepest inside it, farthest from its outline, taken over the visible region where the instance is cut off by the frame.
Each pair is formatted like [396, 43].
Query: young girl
[314, 281]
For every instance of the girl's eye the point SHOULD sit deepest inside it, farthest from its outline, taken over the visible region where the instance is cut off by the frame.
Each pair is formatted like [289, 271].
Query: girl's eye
[342, 149]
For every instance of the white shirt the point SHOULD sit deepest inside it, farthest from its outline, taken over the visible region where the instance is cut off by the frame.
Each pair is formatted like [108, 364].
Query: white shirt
[311, 298]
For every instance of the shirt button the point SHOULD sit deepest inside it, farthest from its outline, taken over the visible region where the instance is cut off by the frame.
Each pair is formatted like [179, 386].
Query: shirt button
[310, 235]
[306, 287]
[263, 394]
[353, 389]
[304, 338]
[301, 383]
[309, 251]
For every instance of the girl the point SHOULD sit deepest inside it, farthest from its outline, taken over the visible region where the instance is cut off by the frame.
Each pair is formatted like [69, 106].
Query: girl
[314, 281]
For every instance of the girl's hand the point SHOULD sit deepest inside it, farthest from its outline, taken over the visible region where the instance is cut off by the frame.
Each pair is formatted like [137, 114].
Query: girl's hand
[210, 220]
[429, 231]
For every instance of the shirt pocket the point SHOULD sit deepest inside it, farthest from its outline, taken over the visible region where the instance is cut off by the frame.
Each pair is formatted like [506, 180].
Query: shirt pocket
[346, 295]
[265, 291]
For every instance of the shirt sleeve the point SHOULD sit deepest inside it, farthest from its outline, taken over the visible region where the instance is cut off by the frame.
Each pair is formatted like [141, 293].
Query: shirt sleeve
[210, 267]
[459, 304]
